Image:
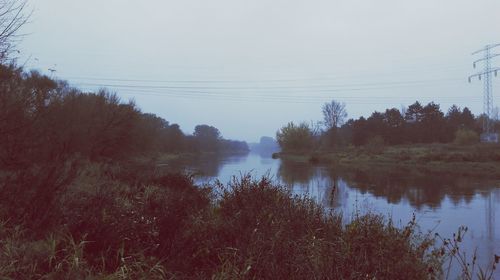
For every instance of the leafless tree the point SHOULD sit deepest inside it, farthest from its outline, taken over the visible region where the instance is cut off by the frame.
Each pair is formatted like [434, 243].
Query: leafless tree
[334, 114]
[316, 128]
[12, 17]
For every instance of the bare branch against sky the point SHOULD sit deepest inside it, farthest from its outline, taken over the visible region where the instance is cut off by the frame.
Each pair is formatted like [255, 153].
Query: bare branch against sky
[12, 17]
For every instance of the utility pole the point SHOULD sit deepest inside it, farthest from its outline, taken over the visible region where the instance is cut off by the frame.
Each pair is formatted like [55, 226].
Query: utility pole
[486, 76]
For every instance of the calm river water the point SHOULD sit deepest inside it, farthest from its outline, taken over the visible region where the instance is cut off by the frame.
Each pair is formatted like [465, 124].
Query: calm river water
[440, 202]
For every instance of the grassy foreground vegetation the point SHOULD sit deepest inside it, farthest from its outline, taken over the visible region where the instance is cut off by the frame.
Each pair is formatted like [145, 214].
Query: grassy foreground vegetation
[112, 223]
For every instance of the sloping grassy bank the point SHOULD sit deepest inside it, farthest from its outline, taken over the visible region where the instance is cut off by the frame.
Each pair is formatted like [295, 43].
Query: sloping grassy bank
[133, 222]
[470, 160]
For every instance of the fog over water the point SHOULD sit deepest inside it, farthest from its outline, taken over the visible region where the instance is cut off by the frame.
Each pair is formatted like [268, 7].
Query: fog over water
[264, 63]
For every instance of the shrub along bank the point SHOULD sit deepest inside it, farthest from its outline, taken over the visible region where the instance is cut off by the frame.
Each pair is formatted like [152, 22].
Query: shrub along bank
[111, 222]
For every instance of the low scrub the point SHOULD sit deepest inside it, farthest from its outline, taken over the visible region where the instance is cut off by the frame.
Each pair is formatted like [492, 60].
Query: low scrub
[375, 145]
[164, 227]
[466, 137]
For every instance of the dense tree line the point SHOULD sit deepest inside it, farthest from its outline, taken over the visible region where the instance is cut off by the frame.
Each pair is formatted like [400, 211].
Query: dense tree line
[50, 131]
[42, 119]
[410, 125]
[416, 124]
[266, 145]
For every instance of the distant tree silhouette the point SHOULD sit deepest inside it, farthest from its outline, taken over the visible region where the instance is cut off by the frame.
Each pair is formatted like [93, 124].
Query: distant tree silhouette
[467, 120]
[334, 114]
[266, 141]
[42, 120]
[414, 112]
[394, 126]
[207, 137]
[458, 119]
[175, 138]
[232, 146]
[295, 138]
[359, 130]
[454, 115]
[433, 124]
[418, 124]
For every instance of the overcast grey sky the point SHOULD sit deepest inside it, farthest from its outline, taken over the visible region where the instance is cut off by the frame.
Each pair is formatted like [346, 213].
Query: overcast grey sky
[249, 67]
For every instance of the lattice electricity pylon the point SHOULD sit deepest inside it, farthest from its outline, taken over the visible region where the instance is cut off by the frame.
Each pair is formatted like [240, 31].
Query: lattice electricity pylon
[486, 75]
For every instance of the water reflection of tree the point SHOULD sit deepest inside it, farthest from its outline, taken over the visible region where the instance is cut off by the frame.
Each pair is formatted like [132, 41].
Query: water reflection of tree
[336, 193]
[417, 187]
[265, 154]
[315, 181]
[295, 173]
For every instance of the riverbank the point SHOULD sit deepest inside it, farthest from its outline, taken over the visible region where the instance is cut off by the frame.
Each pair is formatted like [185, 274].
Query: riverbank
[165, 158]
[472, 160]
